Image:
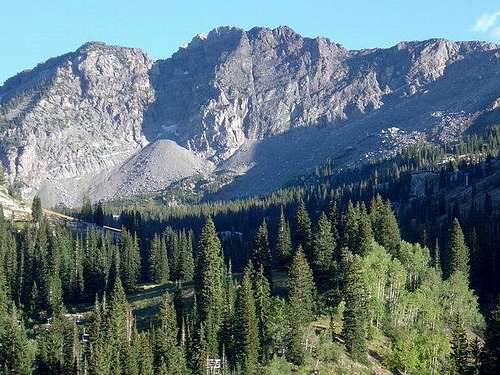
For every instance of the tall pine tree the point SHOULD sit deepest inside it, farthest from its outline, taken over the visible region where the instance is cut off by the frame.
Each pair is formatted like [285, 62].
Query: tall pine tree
[209, 283]
[261, 253]
[354, 330]
[283, 248]
[303, 231]
[458, 253]
[246, 325]
[167, 351]
[301, 294]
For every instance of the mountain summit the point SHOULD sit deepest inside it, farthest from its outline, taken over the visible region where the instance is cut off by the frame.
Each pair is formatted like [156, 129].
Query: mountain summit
[265, 104]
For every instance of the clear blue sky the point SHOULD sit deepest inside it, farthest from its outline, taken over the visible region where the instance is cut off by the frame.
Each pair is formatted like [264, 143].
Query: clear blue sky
[34, 30]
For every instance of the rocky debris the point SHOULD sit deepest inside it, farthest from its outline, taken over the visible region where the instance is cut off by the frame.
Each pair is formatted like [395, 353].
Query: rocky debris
[152, 169]
[265, 104]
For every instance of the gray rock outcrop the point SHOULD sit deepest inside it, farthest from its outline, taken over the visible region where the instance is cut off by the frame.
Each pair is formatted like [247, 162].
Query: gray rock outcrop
[268, 104]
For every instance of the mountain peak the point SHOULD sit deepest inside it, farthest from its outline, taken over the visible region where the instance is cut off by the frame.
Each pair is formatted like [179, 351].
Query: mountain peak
[237, 100]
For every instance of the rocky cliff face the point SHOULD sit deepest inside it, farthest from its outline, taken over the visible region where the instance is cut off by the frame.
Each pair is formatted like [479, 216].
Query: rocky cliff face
[75, 114]
[232, 100]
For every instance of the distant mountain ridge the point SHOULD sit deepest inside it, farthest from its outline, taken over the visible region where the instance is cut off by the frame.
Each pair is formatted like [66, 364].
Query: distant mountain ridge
[263, 104]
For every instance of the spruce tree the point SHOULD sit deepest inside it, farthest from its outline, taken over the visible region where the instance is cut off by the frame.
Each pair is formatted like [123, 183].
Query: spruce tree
[146, 358]
[364, 242]
[227, 331]
[198, 351]
[87, 213]
[458, 253]
[350, 223]
[76, 279]
[158, 269]
[354, 330]
[301, 288]
[50, 349]
[167, 352]
[334, 220]
[301, 292]
[303, 232]
[15, 353]
[186, 266]
[323, 246]
[132, 365]
[209, 283]
[130, 260]
[99, 214]
[385, 226]
[118, 327]
[261, 253]
[283, 248]
[36, 209]
[98, 347]
[262, 305]
[174, 253]
[246, 325]
[460, 350]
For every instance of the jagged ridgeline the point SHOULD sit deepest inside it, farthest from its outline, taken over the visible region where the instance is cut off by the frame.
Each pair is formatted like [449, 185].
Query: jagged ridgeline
[263, 105]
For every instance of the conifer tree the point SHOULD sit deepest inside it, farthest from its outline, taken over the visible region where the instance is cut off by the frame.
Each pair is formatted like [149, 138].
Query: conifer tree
[15, 353]
[355, 314]
[173, 251]
[130, 260]
[4, 300]
[209, 283]
[87, 213]
[167, 352]
[158, 270]
[98, 361]
[303, 231]
[458, 253]
[56, 348]
[114, 271]
[227, 332]
[385, 226]
[186, 266]
[76, 286]
[133, 355]
[99, 214]
[323, 246]
[36, 209]
[278, 326]
[261, 253]
[490, 358]
[262, 305]
[301, 288]
[365, 235]
[146, 358]
[301, 292]
[198, 352]
[334, 220]
[246, 325]
[283, 247]
[94, 264]
[460, 351]
[118, 327]
[350, 231]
